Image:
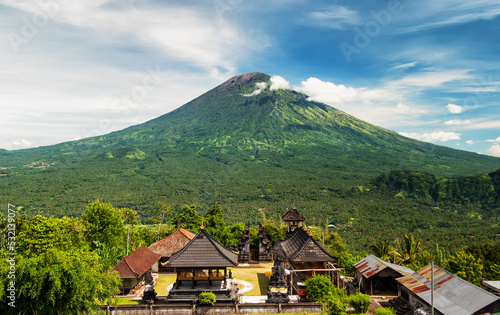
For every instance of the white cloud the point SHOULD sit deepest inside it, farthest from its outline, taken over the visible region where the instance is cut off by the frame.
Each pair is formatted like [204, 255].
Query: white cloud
[335, 17]
[410, 110]
[471, 142]
[327, 92]
[432, 14]
[455, 109]
[260, 86]
[278, 83]
[433, 136]
[494, 140]
[427, 79]
[405, 66]
[254, 93]
[494, 150]
[23, 143]
[205, 39]
[453, 122]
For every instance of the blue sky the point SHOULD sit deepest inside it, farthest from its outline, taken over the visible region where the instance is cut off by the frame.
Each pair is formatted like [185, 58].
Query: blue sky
[426, 69]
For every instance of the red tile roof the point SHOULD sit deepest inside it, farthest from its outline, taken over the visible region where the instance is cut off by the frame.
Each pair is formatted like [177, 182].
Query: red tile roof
[173, 243]
[136, 263]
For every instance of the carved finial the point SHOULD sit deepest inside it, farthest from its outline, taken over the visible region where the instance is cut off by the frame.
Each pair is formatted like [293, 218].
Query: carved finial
[202, 227]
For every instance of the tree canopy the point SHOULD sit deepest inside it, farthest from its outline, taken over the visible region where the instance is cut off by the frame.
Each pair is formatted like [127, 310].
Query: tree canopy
[103, 223]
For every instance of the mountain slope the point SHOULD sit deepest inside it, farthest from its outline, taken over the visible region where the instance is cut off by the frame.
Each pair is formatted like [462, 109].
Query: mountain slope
[247, 152]
[472, 195]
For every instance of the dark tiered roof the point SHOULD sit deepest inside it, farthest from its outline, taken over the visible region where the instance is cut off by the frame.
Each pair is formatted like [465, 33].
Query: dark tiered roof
[301, 247]
[203, 252]
[173, 243]
[293, 215]
[136, 263]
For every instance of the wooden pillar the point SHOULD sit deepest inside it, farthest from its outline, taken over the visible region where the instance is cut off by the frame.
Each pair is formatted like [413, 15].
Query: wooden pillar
[192, 280]
[209, 278]
[371, 285]
[225, 276]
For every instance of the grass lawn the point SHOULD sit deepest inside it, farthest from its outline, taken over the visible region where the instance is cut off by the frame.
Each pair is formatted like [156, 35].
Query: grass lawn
[164, 280]
[119, 301]
[254, 275]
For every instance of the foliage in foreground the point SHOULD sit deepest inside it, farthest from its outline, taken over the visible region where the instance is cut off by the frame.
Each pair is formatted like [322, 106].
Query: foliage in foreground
[385, 311]
[361, 302]
[60, 283]
[207, 298]
[318, 287]
[335, 307]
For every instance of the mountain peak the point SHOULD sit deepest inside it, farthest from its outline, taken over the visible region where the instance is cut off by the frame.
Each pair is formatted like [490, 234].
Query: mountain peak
[242, 79]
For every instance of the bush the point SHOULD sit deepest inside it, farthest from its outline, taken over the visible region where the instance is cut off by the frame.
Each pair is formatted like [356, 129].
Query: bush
[339, 294]
[207, 298]
[361, 302]
[318, 287]
[335, 306]
[385, 311]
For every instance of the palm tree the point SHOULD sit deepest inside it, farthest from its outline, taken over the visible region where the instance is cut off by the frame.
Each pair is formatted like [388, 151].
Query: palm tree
[409, 251]
[383, 250]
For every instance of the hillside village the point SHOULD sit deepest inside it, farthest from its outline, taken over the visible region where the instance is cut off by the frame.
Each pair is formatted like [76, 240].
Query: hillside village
[197, 264]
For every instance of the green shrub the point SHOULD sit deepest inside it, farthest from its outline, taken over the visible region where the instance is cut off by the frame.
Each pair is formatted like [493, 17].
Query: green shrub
[361, 302]
[385, 311]
[318, 287]
[339, 294]
[207, 298]
[335, 306]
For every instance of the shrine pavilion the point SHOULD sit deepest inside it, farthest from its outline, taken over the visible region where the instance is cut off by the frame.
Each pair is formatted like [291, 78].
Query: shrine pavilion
[202, 266]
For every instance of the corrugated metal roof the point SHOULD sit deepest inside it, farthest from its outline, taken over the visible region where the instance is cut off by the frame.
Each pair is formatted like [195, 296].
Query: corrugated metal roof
[372, 265]
[452, 295]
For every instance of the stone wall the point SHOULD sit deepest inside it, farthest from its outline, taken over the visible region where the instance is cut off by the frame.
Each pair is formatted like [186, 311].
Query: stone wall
[227, 309]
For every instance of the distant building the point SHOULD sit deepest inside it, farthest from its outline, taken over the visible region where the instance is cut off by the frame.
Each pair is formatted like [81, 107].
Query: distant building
[452, 295]
[376, 276]
[132, 268]
[294, 219]
[170, 245]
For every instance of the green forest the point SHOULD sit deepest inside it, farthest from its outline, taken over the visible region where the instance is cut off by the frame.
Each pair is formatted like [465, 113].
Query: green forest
[63, 263]
[266, 153]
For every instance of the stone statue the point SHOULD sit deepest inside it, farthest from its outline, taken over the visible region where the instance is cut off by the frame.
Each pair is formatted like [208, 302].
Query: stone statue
[149, 295]
[277, 291]
[264, 244]
[244, 246]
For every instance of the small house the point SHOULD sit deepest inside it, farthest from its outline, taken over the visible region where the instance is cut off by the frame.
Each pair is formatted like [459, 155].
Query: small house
[376, 276]
[132, 268]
